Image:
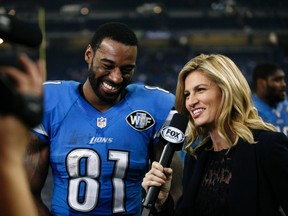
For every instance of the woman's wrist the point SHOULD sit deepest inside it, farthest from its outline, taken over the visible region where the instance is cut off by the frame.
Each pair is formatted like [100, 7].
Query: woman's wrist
[160, 205]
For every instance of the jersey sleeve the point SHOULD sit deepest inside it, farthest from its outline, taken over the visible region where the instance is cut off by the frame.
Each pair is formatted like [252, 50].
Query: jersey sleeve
[57, 97]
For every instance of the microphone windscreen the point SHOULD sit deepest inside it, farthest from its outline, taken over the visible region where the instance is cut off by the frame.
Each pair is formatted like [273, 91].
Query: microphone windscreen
[179, 121]
[175, 132]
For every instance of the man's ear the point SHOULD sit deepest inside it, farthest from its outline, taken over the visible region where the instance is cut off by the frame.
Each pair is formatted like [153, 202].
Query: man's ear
[89, 54]
[261, 83]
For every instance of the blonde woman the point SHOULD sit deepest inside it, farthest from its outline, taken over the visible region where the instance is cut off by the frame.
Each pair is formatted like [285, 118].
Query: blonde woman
[240, 166]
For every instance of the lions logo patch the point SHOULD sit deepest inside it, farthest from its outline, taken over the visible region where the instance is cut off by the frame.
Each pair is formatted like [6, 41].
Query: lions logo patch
[140, 120]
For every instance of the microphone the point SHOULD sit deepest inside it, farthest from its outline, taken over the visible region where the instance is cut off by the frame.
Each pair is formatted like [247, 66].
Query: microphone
[175, 137]
[157, 136]
[20, 32]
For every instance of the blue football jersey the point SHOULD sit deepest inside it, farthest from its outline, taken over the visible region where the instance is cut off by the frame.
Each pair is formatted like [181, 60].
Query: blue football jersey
[277, 116]
[99, 159]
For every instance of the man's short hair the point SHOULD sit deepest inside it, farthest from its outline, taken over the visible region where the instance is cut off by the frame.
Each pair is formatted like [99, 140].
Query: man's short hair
[117, 31]
[263, 71]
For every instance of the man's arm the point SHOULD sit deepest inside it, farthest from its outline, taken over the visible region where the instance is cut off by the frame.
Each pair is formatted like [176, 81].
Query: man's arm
[37, 166]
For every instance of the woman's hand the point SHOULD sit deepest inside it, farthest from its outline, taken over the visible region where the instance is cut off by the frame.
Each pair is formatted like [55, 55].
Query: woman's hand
[158, 176]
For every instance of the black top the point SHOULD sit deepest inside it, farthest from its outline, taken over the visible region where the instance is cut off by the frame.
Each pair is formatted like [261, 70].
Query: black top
[212, 197]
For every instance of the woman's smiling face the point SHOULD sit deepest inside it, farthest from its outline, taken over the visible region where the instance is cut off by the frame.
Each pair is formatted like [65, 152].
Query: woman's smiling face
[203, 98]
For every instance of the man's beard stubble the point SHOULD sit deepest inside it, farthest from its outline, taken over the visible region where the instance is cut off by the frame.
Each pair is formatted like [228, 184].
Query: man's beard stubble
[273, 95]
[95, 84]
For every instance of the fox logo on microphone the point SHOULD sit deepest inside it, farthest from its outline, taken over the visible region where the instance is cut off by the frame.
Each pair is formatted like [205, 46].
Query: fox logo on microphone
[172, 134]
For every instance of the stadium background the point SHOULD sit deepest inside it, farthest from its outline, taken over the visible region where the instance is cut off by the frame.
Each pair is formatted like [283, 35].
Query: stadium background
[170, 33]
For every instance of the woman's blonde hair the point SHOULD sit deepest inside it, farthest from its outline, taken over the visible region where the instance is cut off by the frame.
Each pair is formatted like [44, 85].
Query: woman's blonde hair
[237, 111]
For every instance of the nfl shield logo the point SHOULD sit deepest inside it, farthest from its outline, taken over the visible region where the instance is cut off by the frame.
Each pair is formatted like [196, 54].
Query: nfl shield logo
[101, 122]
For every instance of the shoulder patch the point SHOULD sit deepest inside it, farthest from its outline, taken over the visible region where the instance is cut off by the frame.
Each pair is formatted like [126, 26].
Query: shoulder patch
[140, 120]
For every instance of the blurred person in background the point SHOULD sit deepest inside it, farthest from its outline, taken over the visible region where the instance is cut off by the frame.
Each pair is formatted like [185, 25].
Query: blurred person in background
[16, 198]
[98, 136]
[240, 167]
[269, 86]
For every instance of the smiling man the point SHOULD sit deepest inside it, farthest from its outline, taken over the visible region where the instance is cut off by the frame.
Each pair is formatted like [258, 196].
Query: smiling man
[269, 97]
[98, 136]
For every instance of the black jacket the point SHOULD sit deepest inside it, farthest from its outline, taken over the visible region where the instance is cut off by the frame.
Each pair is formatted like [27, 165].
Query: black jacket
[259, 181]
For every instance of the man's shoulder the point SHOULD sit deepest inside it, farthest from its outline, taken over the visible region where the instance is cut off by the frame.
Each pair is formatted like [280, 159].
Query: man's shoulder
[60, 92]
[150, 98]
[257, 101]
[262, 108]
[58, 88]
[60, 84]
[141, 89]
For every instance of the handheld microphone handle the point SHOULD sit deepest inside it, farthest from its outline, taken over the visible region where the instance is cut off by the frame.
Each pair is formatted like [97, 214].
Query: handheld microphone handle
[153, 191]
[151, 197]
[174, 134]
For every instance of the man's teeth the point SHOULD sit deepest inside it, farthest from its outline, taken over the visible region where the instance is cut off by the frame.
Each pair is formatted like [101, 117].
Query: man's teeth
[108, 86]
